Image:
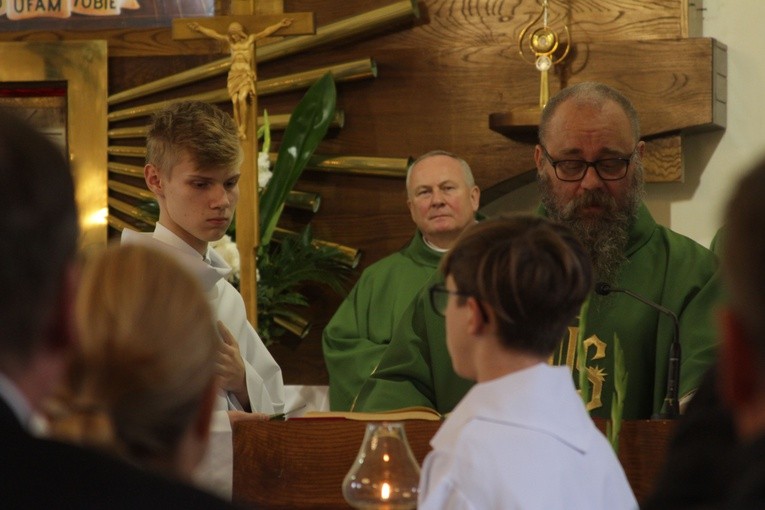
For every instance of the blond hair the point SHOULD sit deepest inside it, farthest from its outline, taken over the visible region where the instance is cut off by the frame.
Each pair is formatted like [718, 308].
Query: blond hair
[146, 356]
[207, 133]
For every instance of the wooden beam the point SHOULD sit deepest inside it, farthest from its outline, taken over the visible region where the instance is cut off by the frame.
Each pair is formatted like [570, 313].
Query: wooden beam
[682, 88]
[675, 85]
[663, 159]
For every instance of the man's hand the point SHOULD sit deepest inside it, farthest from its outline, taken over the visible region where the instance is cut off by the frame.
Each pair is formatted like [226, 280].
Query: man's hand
[230, 367]
[193, 26]
[285, 22]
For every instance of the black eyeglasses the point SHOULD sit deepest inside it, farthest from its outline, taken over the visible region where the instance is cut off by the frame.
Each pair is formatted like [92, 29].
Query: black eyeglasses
[439, 299]
[572, 170]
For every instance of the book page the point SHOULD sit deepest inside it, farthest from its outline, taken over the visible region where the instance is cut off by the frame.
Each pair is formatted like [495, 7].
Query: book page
[405, 413]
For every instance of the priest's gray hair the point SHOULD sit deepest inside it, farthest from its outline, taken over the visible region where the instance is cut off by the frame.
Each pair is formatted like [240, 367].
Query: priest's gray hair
[592, 93]
[466, 171]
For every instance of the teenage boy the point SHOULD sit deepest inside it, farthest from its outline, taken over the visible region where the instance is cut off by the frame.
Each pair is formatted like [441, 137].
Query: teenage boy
[193, 157]
[521, 437]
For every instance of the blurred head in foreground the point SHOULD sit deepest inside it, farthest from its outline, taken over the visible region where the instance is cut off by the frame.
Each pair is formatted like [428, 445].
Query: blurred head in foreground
[142, 383]
[742, 354]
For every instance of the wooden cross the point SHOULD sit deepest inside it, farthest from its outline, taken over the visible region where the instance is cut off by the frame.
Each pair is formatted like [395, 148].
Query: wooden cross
[253, 20]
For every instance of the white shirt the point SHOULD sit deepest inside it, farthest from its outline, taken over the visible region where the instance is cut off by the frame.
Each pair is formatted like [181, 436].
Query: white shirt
[523, 441]
[265, 386]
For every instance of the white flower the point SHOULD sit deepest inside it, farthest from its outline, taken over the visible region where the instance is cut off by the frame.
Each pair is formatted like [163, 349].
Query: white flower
[264, 170]
[226, 248]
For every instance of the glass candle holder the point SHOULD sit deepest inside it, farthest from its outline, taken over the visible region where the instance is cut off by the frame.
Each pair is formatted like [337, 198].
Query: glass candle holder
[385, 474]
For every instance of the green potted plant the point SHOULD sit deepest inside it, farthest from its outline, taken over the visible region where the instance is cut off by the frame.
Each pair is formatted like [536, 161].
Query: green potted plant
[286, 265]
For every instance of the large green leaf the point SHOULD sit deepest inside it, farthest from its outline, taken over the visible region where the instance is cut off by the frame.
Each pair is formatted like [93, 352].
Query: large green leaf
[307, 126]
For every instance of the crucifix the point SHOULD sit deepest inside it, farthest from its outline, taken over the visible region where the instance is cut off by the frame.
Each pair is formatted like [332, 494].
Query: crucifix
[241, 30]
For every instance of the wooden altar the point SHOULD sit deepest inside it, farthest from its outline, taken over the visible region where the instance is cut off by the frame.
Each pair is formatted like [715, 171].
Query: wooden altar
[301, 463]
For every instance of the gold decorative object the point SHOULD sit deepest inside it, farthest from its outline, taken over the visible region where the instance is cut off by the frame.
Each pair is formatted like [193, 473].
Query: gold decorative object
[276, 122]
[357, 165]
[296, 325]
[118, 224]
[295, 199]
[241, 74]
[127, 150]
[132, 211]
[542, 46]
[543, 43]
[344, 29]
[131, 132]
[131, 191]
[123, 169]
[348, 71]
[303, 200]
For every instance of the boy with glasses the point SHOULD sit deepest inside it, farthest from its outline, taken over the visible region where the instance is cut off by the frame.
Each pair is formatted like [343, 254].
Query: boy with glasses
[512, 287]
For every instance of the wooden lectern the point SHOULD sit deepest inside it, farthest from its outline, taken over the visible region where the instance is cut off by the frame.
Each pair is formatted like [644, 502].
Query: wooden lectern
[301, 463]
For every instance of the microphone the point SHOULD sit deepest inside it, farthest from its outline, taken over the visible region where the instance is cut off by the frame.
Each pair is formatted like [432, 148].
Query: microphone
[671, 405]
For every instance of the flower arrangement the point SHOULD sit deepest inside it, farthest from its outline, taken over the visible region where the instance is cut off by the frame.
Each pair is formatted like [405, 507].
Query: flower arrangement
[226, 248]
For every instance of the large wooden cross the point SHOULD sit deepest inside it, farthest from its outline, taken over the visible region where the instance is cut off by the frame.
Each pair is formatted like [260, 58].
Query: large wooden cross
[268, 13]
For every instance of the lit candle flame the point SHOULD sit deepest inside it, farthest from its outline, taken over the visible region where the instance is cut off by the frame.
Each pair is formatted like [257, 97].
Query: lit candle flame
[386, 457]
[385, 491]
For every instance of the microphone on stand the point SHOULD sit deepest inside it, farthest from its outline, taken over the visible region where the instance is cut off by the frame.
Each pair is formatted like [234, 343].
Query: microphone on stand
[671, 407]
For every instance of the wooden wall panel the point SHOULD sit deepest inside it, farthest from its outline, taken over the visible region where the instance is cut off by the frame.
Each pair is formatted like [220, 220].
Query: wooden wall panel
[439, 80]
[590, 20]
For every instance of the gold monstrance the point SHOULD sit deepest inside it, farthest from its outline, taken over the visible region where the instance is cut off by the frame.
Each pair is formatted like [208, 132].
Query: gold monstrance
[537, 44]
[543, 43]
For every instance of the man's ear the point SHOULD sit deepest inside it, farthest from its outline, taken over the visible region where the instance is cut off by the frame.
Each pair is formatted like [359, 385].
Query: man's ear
[410, 205]
[153, 179]
[738, 378]
[477, 323]
[475, 198]
[640, 148]
[538, 158]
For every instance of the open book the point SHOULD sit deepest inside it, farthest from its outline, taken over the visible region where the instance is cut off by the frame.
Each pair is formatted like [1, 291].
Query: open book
[405, 413]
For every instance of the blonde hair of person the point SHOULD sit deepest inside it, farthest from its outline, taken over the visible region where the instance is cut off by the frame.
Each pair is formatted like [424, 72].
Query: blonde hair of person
[204, 131]
[142, 382]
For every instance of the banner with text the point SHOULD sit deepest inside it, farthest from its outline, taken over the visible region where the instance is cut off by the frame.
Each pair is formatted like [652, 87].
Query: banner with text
[26, 9]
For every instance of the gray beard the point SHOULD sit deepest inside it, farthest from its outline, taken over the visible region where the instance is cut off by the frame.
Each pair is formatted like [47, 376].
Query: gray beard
[604, 237]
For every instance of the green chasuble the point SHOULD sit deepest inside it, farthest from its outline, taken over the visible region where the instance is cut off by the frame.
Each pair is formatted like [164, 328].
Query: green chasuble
[662, 266]
[359, 332]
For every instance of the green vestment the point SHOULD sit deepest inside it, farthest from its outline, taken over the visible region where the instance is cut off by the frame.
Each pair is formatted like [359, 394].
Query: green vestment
[662, 266]
[359, 332]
